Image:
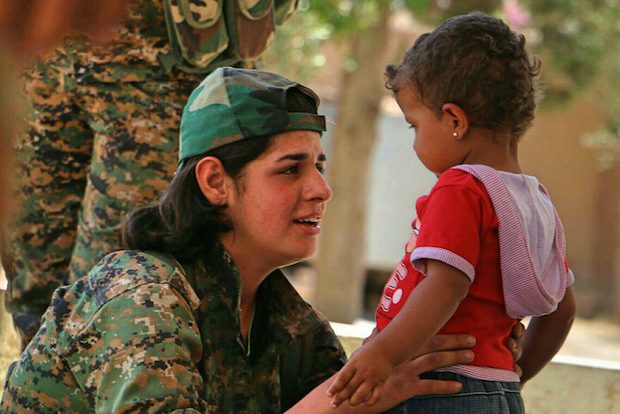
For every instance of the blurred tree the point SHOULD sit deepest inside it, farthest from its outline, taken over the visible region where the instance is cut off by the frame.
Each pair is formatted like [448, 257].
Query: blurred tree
[577, 41]
[361, 28]
[296, 49]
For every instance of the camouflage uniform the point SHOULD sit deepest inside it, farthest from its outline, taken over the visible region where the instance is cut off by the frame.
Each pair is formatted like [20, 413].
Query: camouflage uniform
[105, 130]
[138, 335]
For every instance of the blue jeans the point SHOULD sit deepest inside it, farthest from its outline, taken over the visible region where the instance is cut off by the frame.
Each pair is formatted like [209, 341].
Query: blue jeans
[476, 397]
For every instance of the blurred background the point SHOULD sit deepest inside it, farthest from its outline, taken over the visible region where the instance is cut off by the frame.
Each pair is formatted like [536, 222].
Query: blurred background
[341, 48]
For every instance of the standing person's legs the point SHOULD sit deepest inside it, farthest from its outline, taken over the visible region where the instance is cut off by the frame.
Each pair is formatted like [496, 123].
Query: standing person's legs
[53, 157]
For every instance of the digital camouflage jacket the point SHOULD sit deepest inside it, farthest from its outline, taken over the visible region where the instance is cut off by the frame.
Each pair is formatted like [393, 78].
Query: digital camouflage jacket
[137, 335]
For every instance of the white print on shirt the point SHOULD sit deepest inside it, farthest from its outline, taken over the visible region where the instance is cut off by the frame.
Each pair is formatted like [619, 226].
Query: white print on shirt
[392, 282]
[399, 273]
[385, 302]
[397, 296]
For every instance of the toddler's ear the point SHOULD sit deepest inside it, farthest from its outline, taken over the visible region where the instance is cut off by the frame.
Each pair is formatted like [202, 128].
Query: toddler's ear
[457, 118]
[212, 180]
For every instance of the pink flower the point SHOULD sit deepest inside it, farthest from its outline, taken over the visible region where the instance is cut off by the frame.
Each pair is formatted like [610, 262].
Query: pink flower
[515, 15]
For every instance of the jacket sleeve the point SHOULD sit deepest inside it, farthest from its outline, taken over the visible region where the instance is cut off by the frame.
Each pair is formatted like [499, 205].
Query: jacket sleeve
[322, 356]
[139, 353]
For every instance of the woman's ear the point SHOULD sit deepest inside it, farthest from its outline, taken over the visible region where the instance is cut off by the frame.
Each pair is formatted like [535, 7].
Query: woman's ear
[457, 118]
[212, 180]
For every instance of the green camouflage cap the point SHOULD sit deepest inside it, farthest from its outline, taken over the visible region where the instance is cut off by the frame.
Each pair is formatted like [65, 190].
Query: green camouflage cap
[232, 104]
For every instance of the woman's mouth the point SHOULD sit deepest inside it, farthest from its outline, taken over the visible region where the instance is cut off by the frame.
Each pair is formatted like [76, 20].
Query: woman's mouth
[312, 222]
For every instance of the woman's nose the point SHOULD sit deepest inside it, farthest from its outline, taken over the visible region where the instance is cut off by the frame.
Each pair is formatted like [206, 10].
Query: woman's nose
[318, 188]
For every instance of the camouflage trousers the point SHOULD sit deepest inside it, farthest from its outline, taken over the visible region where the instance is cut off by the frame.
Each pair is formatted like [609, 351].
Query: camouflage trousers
[93, 151]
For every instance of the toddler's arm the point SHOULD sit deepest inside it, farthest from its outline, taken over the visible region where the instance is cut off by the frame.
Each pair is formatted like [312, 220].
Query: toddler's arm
[545, 335]
[428, 308]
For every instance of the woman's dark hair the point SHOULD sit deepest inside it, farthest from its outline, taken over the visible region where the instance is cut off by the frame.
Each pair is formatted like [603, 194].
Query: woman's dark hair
[184, 223]
[478, 63]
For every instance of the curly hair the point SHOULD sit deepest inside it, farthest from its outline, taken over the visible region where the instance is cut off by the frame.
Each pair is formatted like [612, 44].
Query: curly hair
[477, 62]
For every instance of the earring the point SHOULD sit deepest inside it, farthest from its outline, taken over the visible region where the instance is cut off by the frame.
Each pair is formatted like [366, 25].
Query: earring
[455, 134]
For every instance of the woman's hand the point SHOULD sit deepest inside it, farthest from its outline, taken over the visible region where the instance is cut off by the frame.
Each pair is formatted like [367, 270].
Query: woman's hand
[515, 344]
[442, 351]
[404, 383]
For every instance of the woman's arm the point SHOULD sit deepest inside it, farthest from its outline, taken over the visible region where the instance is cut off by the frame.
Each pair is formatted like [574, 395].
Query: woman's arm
[140, 353]
[404, 383]
[545, 335]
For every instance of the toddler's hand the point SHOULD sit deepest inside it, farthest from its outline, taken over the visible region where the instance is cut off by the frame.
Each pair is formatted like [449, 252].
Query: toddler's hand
[361, 379]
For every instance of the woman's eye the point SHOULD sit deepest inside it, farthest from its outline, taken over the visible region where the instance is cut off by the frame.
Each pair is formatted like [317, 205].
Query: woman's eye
[294, 169]
[411, 126]
[320, 168]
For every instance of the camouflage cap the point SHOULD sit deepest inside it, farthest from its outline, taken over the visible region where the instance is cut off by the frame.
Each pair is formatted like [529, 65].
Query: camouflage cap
[233, 104]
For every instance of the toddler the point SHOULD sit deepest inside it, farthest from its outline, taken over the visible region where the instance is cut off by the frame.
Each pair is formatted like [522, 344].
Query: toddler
[487, 247]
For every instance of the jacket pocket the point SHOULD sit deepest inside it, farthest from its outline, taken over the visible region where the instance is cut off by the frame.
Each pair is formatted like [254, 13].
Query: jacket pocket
[197, 29]
[254, 26]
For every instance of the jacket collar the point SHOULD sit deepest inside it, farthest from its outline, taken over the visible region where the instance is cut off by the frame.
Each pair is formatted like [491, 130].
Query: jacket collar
[289, 315]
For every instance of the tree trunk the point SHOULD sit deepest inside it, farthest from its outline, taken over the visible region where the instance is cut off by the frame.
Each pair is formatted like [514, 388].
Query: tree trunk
[340, 264]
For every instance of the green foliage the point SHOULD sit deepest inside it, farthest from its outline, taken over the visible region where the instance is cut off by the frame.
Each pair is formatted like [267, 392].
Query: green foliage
[579, 45]
[435, 11]
[577, 35]
[574, 37]
[296, 49]
[348, 16]
[577, 41]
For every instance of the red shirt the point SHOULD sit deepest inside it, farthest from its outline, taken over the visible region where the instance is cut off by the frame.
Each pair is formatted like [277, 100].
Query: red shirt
[457, 225]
